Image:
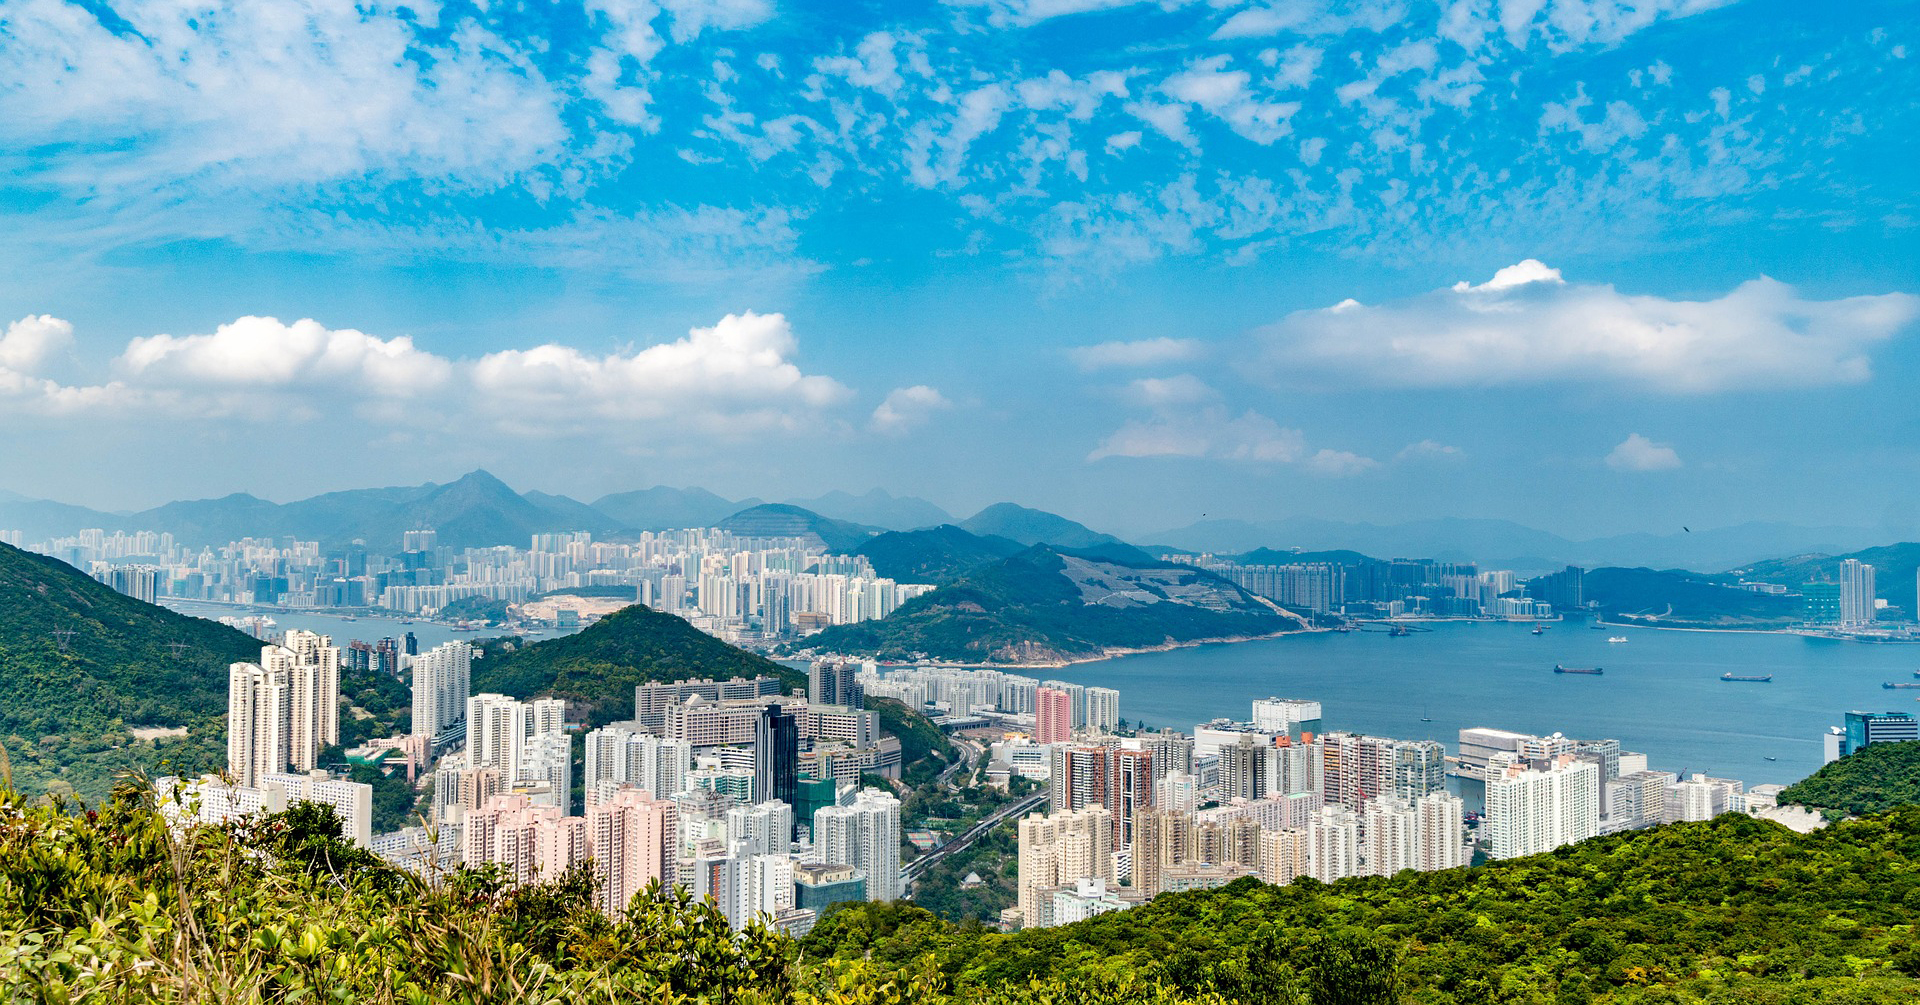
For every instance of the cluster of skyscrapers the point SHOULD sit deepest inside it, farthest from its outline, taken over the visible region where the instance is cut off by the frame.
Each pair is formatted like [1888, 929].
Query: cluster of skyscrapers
[1402, 587]
[737, 587]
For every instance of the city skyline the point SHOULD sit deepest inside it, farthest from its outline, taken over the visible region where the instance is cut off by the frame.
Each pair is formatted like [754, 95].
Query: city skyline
[1637, 269]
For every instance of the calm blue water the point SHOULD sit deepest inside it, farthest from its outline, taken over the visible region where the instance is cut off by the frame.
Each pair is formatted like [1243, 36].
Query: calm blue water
[1661, 694]
[343, 631]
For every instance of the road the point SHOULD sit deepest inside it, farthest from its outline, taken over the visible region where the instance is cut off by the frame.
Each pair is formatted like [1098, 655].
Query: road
[914, 869]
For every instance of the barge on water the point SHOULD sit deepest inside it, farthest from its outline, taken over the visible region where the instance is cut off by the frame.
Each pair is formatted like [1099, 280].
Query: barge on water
[1766, 678]
[1590, 671]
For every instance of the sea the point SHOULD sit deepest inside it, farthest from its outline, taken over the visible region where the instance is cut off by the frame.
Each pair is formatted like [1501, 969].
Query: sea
[343, 629]
[1661, 692]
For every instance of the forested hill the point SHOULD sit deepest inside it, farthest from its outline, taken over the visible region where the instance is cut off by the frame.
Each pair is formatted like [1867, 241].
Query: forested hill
[600, 666]
[1873, 779]
[80, 664]
[1044, 605]
[1735, 910]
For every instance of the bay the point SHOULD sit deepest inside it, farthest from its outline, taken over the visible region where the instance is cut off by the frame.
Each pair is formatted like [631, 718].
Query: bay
[343, 630]
[1661, 693]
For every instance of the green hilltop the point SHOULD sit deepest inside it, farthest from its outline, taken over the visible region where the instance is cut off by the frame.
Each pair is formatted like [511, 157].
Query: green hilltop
[67, 701]
[1047, 605]
[600, 666]
[1873, 779]
[937, 555]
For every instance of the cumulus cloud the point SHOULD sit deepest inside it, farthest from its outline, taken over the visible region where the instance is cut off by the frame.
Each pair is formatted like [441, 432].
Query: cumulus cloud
[1637, 453]
[259, 352]
[733, 377]
[1529, 325]
[907, 407]
[31, 341]
[1339, 463]
[1144, 352]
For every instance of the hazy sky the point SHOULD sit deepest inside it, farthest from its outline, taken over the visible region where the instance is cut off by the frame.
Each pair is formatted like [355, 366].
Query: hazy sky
[1594, 265]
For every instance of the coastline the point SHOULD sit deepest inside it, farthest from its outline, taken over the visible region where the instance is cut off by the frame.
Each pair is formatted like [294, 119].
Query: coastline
[1115, 652]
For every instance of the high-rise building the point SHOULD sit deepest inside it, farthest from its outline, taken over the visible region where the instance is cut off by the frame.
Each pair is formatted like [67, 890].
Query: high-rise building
[442, 683]
[761, 828]
[1103, 709]
[312, 667]
[1820, 603]
[547, 761]
[1288, 716]
[864, 834]
[1856, 593]
[258, 722]
[1863, 729]
[776, 756]
[1537, 805]
[621, 755]
[1442, 826]
[534, 843]
[635, 841]
[1077, 697]
[497, 730]
[1052, 716]
[1059, 848]
[835, 682]
[1243, 769]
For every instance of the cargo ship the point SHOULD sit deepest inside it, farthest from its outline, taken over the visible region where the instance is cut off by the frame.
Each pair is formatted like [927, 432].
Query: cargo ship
[1890, 686]
[1748, 679]
[1592, 671]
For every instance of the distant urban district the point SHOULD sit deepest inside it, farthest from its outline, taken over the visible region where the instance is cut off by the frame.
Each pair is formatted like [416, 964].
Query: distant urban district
[783, 712]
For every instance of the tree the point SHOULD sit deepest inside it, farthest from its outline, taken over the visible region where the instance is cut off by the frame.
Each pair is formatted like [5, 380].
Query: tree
[1352, 967]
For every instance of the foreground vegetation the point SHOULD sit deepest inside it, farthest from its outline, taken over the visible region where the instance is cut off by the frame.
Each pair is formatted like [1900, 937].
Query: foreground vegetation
[1874, 779]
[109, 906]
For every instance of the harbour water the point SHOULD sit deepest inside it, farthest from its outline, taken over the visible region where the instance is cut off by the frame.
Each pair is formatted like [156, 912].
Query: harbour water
[1661, 693]
[344, 630]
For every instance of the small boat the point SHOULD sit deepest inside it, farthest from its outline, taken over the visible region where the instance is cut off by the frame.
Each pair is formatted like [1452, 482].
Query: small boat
[1537, 630]
[1590, 671]
[1399, 631]
[1770, 757]
[1747, 678]
[1616, 638]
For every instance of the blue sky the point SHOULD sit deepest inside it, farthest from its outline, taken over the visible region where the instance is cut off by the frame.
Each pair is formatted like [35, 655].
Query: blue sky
[1593, 265]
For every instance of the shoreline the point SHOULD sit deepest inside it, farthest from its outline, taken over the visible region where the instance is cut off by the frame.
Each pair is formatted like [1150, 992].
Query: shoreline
[1115, 652]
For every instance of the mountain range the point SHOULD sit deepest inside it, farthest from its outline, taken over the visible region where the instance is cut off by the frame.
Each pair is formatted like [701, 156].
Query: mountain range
[1503, 544]
[479, 510]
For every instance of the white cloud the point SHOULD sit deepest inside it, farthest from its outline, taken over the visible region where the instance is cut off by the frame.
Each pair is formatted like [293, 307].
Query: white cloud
[1636, 453]
[1025, 13]
[1339, 463]
[1169, 392]
[31, 341]
[731, 378]
[873, 65]
[1210, 432]
[1427, 450]
[907, 407]
[1228, 95]
[1528, 325]
[257, 352]
[1144, 352]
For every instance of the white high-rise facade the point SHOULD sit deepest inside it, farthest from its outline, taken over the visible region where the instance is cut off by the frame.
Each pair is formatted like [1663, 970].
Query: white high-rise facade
[283, 710]
[1442, 824]
[1103, 709]
[258, 721]
[1537, 806]
[442, 683]
[1856, 593]
[496, 732]
[864, 834]
[547, 759]
[620, 755]
[312, 666]
[761, 828]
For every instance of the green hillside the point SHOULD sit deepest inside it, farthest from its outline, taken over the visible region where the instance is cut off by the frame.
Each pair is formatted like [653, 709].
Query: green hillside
[1684, 599]
[1894, 566]
[1045, 606]
[600, 667]
[1874, 779]
[65, 709]
[1734, 911]
[937, 555]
